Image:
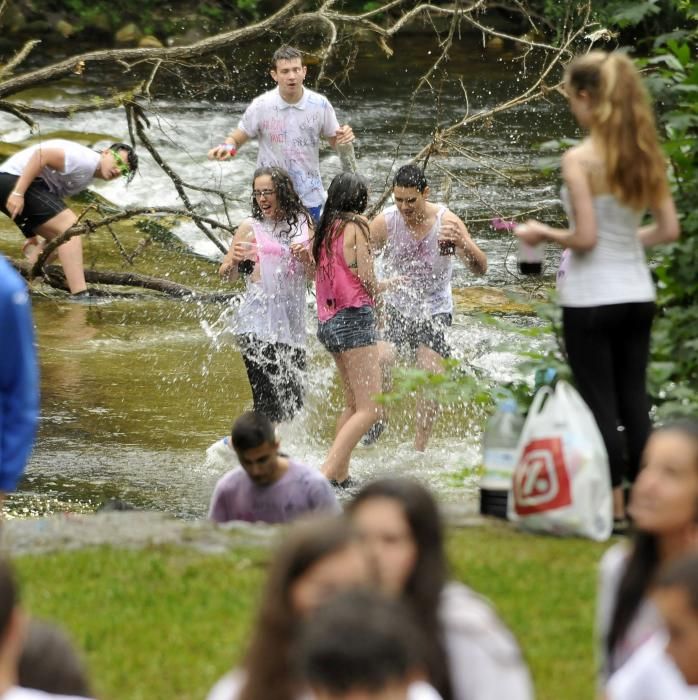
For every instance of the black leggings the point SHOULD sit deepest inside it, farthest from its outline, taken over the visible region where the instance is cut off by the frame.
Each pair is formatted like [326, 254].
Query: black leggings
[276, 377]
[608, 350]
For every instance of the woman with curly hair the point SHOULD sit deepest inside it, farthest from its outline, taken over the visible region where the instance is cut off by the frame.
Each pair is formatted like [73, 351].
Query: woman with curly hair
[271, 250]
[346, 288]
[612, 178]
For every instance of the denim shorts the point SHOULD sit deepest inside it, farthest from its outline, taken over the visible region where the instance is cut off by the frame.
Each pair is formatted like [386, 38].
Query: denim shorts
[40, 204]
[348, 329]
[410, 333]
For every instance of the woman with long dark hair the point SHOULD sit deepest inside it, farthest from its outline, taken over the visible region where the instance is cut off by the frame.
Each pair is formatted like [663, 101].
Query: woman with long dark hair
[612, 178]
[346, 290]
[473, 656]
[271, 249]
[664, 508]
[318, 559]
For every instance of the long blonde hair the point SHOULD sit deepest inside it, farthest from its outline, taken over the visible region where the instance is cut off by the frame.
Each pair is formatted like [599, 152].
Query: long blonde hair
[623, 124]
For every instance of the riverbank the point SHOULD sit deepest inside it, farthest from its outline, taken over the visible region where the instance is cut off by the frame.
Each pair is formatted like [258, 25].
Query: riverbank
[165, 617]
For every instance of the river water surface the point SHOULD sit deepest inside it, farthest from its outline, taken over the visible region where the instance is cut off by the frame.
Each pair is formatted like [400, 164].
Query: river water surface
[134, 390]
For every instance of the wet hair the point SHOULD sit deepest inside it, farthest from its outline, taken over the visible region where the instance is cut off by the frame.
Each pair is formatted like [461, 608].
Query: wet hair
[423, 588]
[623, 123]
[360, 640]
[347, 196]
[9, 594]
[285, 53]
[287, 200]
[131, 158]
[49, 662]
[269, 669]
[411, 175]
[643, 562]
[251, 430]
[683, 574]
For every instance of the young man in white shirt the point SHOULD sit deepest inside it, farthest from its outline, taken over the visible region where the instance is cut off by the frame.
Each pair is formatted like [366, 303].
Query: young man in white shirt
[288, 123]
[34, 181]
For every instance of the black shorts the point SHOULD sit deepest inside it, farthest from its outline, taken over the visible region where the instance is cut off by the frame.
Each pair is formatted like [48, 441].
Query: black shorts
[350, 328]
[277, 374]
[405, 332]
[40, 204]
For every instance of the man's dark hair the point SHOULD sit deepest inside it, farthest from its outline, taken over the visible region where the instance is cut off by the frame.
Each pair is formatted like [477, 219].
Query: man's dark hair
[50, 663]
[285, 53]
[131, 158]
[683, 574]
[9, 594]
[251, 430]
[359, 640]
[410, 176]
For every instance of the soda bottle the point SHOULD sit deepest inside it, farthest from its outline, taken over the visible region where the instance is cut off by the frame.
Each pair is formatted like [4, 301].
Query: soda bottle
[499, 444]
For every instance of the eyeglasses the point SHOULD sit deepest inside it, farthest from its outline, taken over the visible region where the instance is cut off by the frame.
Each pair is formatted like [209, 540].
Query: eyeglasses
[121, 165]
[262, 193]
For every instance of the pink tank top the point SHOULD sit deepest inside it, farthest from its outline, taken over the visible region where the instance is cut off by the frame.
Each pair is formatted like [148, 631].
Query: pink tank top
[336, 286]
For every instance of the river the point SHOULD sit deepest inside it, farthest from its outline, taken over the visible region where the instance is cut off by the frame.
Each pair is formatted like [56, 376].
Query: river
[134, 391]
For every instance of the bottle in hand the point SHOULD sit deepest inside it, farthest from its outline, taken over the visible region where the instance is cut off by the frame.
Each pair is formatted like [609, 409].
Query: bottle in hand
[530, 257]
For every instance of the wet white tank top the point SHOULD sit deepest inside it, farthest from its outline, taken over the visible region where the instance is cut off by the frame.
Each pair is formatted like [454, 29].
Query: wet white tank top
[273, 308]
[427, 287]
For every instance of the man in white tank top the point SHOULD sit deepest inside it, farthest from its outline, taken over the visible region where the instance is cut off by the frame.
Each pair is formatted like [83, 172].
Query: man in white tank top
[420, 240]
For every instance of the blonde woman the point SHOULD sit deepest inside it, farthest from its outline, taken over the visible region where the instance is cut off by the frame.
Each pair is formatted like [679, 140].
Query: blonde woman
[611, 179]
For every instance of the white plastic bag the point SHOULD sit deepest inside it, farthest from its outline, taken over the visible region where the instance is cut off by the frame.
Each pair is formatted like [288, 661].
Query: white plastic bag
[561, 483]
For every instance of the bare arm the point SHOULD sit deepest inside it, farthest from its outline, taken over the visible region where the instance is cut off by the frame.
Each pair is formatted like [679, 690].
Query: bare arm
[235, 138]
[229, 267]
[354, 236]
[453, 229]
[379, 233]
[584, 235]
[42, 157]
[665, 228]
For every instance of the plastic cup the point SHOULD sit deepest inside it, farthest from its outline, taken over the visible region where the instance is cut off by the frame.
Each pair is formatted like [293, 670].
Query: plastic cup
[530, 258]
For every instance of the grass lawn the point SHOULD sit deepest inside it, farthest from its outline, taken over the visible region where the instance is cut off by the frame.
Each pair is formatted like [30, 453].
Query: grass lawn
[164, 624]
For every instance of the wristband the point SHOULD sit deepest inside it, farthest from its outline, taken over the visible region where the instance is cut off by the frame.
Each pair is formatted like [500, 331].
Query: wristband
[17, 194]
[230, 147]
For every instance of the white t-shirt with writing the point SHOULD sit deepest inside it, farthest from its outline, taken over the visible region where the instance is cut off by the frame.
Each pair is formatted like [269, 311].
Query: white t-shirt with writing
[289, 137]
[79, 171]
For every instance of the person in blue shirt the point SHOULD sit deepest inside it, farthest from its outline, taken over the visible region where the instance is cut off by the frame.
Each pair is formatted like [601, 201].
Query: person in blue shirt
[19, 378]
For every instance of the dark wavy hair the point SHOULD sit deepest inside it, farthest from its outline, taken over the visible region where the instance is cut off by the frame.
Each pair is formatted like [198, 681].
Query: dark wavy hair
[269, 666]
[643, 562]
[423, 589]
[347, 196]
[288, 201]
[411, 175]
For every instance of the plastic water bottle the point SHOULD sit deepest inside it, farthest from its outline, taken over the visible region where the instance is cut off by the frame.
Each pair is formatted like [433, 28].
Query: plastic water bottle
[499, 458]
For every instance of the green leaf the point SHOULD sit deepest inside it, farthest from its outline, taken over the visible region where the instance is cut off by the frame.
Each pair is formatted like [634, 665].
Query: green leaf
[634, 12]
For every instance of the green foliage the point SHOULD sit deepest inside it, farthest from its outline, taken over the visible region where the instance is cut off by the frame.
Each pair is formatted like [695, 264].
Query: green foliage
[673, 373]
[631, 13]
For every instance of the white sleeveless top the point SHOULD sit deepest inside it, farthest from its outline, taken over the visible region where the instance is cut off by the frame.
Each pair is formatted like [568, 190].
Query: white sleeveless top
[273, 308]
[614, 271]
[427, 287]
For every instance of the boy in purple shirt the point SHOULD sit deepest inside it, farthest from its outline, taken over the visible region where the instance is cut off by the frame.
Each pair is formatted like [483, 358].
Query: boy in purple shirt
[267, 486]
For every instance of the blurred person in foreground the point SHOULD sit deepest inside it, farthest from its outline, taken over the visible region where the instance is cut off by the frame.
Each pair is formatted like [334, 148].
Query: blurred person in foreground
[19, 378]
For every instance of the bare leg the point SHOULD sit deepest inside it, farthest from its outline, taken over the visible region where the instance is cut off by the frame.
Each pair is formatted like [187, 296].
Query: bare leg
[362, 372]
[427, 410]
[69, 253]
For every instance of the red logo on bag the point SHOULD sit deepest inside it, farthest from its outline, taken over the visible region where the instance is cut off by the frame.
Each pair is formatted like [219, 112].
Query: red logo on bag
[541, 482]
